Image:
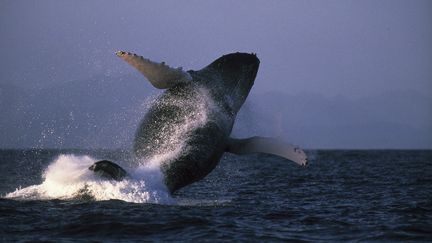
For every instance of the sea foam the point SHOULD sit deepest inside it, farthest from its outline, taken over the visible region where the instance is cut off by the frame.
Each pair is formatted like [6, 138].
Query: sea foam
[68, 177]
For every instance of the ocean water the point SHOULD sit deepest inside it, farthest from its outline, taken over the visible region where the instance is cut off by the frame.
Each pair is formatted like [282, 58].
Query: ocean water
[48, 195]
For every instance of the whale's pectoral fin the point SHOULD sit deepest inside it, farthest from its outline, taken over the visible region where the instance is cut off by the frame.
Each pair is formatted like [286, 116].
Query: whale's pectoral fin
[108, 170]
[268, 146]
[160, 75]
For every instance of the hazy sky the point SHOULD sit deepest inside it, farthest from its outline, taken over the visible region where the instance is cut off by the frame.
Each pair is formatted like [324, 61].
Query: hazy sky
[357, 74]
[355, 48]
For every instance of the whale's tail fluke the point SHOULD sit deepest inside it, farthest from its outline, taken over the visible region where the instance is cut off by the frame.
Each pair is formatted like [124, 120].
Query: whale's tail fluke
[268, 146]
[108, 170]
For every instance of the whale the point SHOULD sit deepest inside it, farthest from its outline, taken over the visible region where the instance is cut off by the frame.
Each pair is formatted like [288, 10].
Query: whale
[188, 127]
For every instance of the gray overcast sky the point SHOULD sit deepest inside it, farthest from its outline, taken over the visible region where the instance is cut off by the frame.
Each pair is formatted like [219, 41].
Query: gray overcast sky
[355, 48]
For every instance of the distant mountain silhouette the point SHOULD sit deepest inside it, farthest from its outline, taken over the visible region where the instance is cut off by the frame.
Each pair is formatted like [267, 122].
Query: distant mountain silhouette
[316, 121]
[103, 112]
[97, 113]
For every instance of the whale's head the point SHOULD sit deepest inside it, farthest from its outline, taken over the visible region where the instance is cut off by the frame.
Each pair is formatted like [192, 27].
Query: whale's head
[230, 77]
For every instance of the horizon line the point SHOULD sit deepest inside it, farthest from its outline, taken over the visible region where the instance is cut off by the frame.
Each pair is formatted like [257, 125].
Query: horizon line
[307, 149]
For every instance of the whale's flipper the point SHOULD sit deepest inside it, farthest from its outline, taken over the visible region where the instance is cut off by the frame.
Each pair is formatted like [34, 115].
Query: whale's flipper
[160, 75]
[268, 146]
[109, 170]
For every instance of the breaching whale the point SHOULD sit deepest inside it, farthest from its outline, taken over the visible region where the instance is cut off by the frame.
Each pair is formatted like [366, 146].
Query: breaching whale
[191, 121]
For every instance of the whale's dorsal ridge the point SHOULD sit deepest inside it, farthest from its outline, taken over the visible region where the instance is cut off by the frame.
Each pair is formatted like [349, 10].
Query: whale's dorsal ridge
[160, 75]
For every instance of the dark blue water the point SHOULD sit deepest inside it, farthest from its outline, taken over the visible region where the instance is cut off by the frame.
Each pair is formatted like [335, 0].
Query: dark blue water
[340, 196]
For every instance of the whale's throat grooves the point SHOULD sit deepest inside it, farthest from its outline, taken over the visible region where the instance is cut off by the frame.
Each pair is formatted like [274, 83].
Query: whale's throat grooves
[183, 133]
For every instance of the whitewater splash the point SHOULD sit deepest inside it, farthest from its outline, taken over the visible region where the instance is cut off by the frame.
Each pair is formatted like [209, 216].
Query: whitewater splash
[68, 177]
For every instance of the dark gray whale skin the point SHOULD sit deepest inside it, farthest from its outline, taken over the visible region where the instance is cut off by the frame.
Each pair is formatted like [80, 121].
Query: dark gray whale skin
[221, 88]
[109, 170]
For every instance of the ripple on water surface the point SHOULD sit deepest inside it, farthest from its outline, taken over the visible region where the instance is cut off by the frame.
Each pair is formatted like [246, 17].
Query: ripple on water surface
[341, 195]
